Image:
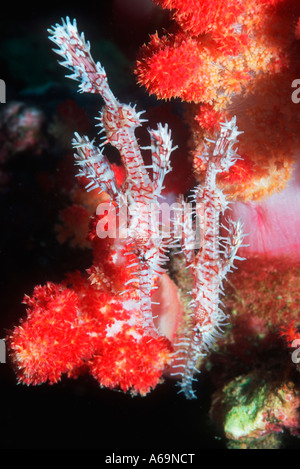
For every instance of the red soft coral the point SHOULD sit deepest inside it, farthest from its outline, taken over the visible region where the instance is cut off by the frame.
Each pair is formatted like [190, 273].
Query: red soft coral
[238, 59]
[53, 339]
[85, 325]
[138, 361]
[205, 16]
[290, 333]
[168, 67]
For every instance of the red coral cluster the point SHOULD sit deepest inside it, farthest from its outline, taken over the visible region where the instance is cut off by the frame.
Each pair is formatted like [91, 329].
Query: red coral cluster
[232, 58]
[207, 15]
[83, 324]
[291, 334]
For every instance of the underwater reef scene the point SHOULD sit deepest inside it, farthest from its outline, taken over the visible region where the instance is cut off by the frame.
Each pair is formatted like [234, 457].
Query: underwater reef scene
[150, 242]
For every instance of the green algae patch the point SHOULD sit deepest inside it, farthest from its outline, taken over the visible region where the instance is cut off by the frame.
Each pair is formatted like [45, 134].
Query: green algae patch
[247, 415]
[256, 411]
